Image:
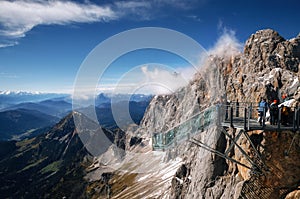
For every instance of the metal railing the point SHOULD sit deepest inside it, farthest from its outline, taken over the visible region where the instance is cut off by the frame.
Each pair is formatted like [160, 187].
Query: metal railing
[248, 115]
[243, 115]
[184, 130]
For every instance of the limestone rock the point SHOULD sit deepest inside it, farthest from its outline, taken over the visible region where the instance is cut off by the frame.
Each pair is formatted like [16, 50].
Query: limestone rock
[268, 67]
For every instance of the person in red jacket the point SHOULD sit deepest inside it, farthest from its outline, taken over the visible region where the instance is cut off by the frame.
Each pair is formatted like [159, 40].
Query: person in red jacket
[274, 113]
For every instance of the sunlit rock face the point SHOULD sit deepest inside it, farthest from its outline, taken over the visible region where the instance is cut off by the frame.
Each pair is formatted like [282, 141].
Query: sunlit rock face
[268, 67]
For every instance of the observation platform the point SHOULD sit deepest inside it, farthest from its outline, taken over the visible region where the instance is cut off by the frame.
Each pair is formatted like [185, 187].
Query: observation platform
[242, 115]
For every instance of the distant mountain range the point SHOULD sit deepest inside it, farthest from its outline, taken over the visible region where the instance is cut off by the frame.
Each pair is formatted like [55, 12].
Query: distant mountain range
[55, 108]
[9, 98]
[106, 118]
[7, 92]
[116, 98]
[25, 114]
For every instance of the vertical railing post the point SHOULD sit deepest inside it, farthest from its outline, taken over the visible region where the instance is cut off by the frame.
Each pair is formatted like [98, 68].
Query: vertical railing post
[294, 120]
[226, 111]
[153, 142]
[202, 123]
[264, 118]
[249, 116]
[251, 110]
[245, 119]
[218, 106]
[237, 109]
[279, 118]
[174, 138]
[231, 116]
[297, 116]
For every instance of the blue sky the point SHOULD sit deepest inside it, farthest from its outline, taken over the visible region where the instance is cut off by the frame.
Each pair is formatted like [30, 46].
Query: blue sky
[43, 43]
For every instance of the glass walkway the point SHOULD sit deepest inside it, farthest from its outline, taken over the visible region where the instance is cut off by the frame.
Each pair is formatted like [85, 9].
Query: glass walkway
[183, 131]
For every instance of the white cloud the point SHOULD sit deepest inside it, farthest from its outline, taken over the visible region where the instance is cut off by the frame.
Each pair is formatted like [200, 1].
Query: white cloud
[19, 17]
[179, 4]
[132, 4]
[172, 79]
[140, 10]
[8, 44]
[155, 79]
[227, 45]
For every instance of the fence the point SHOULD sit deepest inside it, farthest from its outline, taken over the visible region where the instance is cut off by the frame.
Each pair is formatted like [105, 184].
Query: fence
[184, 130]
[246, 114]
[241, 115]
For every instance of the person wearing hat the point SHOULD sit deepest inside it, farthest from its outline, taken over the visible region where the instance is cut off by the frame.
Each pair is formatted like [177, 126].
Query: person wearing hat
[284, 97]
[274, 113]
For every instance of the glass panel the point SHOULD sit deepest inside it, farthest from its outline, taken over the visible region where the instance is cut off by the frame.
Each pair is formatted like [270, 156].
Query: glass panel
[158, 141]
[195, 124]
[170, 135]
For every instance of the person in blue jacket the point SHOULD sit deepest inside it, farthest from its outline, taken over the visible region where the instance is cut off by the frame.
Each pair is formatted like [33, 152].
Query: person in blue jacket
[262, 109]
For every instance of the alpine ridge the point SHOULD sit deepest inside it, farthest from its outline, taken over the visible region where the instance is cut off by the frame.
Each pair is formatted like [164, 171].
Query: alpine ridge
[268, 68]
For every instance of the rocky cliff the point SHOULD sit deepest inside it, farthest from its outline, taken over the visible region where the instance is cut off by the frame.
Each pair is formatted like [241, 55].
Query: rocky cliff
[268, 67]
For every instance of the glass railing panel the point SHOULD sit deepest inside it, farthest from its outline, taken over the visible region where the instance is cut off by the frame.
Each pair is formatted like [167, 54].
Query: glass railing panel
[179, 133]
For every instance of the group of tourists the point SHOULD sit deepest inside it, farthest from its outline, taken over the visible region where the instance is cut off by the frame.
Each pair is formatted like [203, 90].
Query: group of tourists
[270, 111]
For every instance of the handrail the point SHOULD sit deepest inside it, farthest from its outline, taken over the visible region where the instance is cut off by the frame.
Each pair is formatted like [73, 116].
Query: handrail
[193, 116]
[204, 119]
[181, 131]
[225, 115]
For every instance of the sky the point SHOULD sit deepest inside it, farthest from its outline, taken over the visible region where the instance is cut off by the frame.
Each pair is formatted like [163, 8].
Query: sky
[43, 43]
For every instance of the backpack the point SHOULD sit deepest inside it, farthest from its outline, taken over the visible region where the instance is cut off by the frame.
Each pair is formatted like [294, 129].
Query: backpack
[285, 110]
[274, 107]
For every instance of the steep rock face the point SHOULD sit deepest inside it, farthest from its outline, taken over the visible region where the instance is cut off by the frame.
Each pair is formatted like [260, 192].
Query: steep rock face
[166, 111]
[279, 163]
[182, 106]
[267, 68]
[267, 49]
[149, 174]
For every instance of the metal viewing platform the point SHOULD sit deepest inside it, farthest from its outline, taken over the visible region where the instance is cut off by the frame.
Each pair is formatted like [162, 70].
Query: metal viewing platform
[241, 116]
[237, 115]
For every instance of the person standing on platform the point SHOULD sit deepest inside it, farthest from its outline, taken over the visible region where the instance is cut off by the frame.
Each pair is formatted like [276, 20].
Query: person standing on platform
[262, 109]
[274, 113]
